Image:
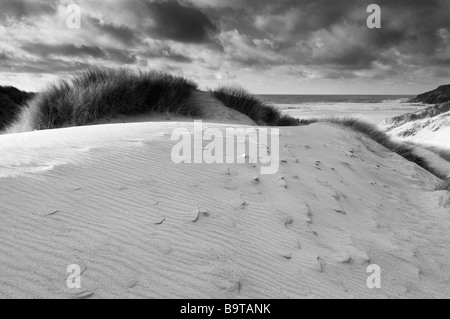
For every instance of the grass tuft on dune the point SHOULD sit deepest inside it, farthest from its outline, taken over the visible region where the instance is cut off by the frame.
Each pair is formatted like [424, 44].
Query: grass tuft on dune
[405, 150]
[11, 100]
[240, 100]
[440, 151]
[95, 93]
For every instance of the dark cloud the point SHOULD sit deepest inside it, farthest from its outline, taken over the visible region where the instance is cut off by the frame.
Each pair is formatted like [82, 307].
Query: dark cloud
[326, 38]
[180, 22]
[409, 27]
[25, 8]
[355, 57]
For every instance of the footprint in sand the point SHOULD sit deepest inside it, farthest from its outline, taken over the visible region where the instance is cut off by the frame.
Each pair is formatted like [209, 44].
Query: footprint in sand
[286, 255]
[198, 213]
[309, 214]
[317, 165]
[288, 221]
[243, 205]
[158, 220]
[346, 260]
[346, 164]
[338, 196]
[56, 211]
[231, 172]
[282, 182]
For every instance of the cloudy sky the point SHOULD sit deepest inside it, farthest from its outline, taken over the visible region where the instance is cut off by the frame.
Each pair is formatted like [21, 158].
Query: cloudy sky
[266, 46]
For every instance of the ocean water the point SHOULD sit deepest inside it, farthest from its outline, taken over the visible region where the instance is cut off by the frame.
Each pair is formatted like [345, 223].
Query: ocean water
[373, 108]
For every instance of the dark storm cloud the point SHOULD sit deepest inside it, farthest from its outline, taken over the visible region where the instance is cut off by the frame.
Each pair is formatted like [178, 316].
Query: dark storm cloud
[413, 24]
[303, 15]
[356, 57]
[326, 38]
[409, 27]
[180, 22]
[25, 8]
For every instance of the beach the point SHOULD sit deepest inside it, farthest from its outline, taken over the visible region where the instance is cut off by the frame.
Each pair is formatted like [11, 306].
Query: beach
[371, 108]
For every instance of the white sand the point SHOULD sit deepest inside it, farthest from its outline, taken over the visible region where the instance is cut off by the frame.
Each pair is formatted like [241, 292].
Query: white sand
[109, 198]
[429, 127]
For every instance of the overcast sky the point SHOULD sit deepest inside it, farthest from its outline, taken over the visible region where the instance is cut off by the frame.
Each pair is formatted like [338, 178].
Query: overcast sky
[266, 46]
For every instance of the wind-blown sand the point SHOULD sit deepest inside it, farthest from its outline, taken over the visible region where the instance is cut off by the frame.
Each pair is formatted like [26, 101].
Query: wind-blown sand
[110, 199]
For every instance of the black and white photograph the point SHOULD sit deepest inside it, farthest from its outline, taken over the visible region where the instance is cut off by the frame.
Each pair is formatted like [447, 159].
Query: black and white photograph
[224, 154]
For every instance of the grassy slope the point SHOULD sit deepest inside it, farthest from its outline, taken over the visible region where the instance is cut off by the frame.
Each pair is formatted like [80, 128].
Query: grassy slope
[90, 95]
[10, 101]
[241, 101]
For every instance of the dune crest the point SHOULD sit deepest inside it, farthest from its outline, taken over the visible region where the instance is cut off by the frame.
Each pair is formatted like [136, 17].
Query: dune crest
[101, 95]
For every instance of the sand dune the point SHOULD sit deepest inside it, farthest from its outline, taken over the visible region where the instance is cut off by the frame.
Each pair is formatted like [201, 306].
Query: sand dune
[430, 126]
[109, 198]
[212, 111]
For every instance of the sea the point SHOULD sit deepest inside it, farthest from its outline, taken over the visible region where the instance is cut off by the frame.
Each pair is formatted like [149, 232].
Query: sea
[373, 108]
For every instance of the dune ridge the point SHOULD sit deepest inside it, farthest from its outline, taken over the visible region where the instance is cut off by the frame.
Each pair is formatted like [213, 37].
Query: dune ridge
[101, 95]
[108, 198]
[98, 94]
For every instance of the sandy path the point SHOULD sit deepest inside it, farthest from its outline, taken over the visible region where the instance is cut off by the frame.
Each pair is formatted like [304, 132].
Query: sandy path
[109, 198]
[216, 112]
